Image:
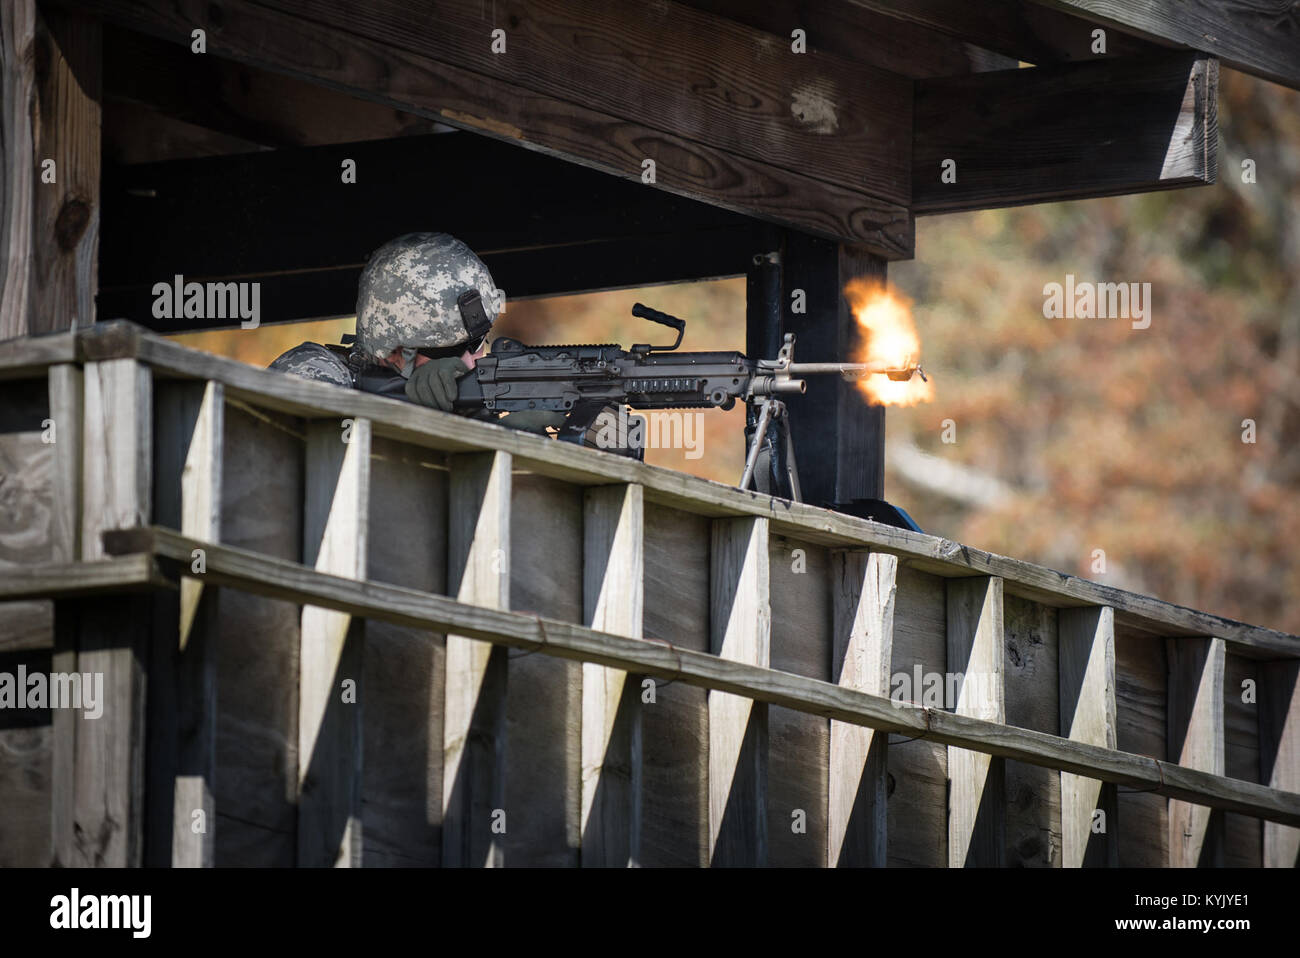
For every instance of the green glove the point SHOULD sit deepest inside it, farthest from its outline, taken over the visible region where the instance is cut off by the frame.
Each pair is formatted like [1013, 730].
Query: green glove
[434, 383]
[534, 420]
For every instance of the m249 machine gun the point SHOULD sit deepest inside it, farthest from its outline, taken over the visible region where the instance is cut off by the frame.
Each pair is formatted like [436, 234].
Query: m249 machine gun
[588, 380]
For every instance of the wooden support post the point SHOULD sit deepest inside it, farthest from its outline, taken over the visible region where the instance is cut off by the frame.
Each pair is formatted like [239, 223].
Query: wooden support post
[613, 600]
[1196, 741]
[335, 524]
[50, 68]
[1279, 752]
[839, 437]
[740, 630]
[474, 726]
[105, 757]
[864, 592]
[1086, 665]
[976, 781]
[189, 430]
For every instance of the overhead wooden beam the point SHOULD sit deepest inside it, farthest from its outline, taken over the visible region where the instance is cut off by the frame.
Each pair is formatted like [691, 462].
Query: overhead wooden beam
[815, 150]
[263, 575]
[1065, 132]
[1258, 38]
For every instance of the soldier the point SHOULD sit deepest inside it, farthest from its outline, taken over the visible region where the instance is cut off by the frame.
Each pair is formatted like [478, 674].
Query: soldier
[425, 305]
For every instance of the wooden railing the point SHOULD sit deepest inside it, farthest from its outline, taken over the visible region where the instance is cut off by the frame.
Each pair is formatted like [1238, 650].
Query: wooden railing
[304, 601]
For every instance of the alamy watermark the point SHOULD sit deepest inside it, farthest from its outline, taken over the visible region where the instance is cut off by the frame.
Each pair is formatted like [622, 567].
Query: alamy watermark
[1087, 300]
[655, 430]
[944, 690]
[181, 300]
[55, 690]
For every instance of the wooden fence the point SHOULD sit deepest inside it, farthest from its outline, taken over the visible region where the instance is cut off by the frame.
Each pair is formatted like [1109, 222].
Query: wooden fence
[337, 629]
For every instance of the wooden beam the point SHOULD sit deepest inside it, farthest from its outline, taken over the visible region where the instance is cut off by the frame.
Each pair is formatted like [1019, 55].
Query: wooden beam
[864, 591]
[755, 160]
[18, 165]
[1260, 39]
[433, 430]
[188, 453]
[1279, 753]
[740, 623]
[613, 601]
[262, 575]
[1086, 663]
[474, 723]
[976, 789]
[1196, 741]
[839, 437]
[1065, 132]
[336, 511]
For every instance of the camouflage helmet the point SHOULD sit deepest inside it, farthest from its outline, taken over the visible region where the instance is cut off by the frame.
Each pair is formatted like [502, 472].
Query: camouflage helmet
[410, 291]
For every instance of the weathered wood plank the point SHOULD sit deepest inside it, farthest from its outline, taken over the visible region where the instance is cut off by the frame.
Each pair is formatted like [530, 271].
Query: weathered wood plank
[336, 513]
[1088, 714]
[1065, 132]
[1243, 835]
[1031, 690]
[1142, 714]
[740, 624]
[976, 790]
[1279, 753]
[1196, 741]
[259, 574]
[474, 723]
[864, 590]
[18, 182]
[613, 601]
[65, 385]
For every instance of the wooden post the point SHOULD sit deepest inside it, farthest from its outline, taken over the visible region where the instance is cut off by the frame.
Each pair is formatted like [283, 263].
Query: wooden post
[107, 754]
[1279, 752]
[189, 425]
[976, 781]
[1196, 741]
[1086, 665]
[864, 590]
[839, 437]
[740, 626]
[474, 726]
[50, 66]
[613, 600]
[335, 525]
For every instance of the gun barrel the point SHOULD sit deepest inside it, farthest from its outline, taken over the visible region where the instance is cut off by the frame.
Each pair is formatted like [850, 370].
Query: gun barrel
[852, 370]
[772, 386]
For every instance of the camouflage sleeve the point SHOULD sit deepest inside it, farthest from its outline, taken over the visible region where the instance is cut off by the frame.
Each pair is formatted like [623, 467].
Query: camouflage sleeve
[314, 361]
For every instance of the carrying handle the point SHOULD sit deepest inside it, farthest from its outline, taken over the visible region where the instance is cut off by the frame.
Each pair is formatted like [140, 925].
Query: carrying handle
[663, 319]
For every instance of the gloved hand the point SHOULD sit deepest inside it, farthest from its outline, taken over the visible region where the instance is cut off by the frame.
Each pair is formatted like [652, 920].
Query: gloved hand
[534, 420]
[434, 383]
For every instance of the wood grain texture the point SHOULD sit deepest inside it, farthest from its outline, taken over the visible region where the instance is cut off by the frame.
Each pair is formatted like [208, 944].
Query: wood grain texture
[976, 781]
[675, 720]
[1031, 681]
[401, 798]
[613, 590]
[18, 166]
[740, 631]
[798, 744]
[864, 589]
[1065, 132]
[1196, 672]
[544, 705]
[1142, 714]
[1243, 844]
[331, 698]
[474, 723]
[1279, 753]
[425, 84]
[1088, 714]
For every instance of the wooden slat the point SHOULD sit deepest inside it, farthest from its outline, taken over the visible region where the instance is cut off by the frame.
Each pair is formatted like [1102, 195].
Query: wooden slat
[1086, 664]
[265, 576]
[1196, 668]
[189, 448]
[1279, 753]
[425, 72]
[1258, 38]
[1065, 132]
[473, 783]
[336, 512]
[66, 412]
[976, 790]
[112, 634]
[740, 623]
[864, 592]
[18, 181]
[613, 601]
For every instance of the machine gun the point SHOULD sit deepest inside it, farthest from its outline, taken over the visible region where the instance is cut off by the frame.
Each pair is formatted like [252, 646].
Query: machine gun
[586, 380]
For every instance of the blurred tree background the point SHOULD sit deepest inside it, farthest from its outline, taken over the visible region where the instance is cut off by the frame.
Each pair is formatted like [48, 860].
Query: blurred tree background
[1072, 435]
